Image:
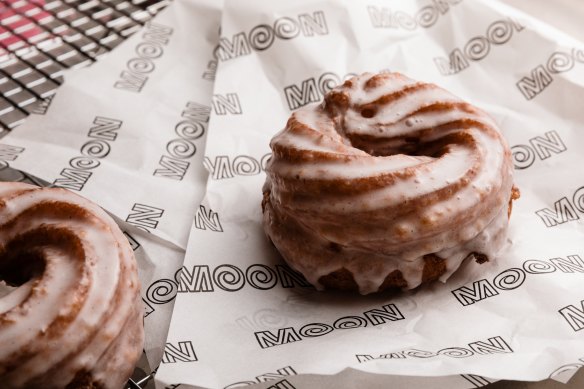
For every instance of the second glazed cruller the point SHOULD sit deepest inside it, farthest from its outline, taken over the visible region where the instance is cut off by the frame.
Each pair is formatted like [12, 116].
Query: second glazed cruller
[389, 183]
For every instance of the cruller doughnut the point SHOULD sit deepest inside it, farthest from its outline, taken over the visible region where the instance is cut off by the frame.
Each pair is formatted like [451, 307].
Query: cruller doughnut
[75, 318]
[389, 183]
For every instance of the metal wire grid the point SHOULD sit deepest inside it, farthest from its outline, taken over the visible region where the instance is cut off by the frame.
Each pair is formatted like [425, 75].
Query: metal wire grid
[40, 39]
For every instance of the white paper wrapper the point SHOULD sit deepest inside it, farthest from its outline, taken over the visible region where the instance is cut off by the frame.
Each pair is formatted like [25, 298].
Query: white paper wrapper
[128, 133]
[242, 318]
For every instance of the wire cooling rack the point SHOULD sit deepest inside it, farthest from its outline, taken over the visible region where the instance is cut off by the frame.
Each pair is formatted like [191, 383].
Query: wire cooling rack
[40, 39]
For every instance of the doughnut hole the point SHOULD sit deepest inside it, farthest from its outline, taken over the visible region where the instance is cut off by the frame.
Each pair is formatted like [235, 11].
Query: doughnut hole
[23, 258]
[20, 266]
[409, 145]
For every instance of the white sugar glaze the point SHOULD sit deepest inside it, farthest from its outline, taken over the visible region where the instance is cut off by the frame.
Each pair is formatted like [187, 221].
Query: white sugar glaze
[418, 172]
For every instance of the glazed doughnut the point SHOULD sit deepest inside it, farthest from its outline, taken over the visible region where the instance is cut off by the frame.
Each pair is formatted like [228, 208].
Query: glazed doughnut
[389, 183]
[75, 317]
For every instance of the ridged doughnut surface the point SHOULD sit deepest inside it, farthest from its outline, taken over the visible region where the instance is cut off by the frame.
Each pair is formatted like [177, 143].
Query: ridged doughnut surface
[388, 183]
[74, 319]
